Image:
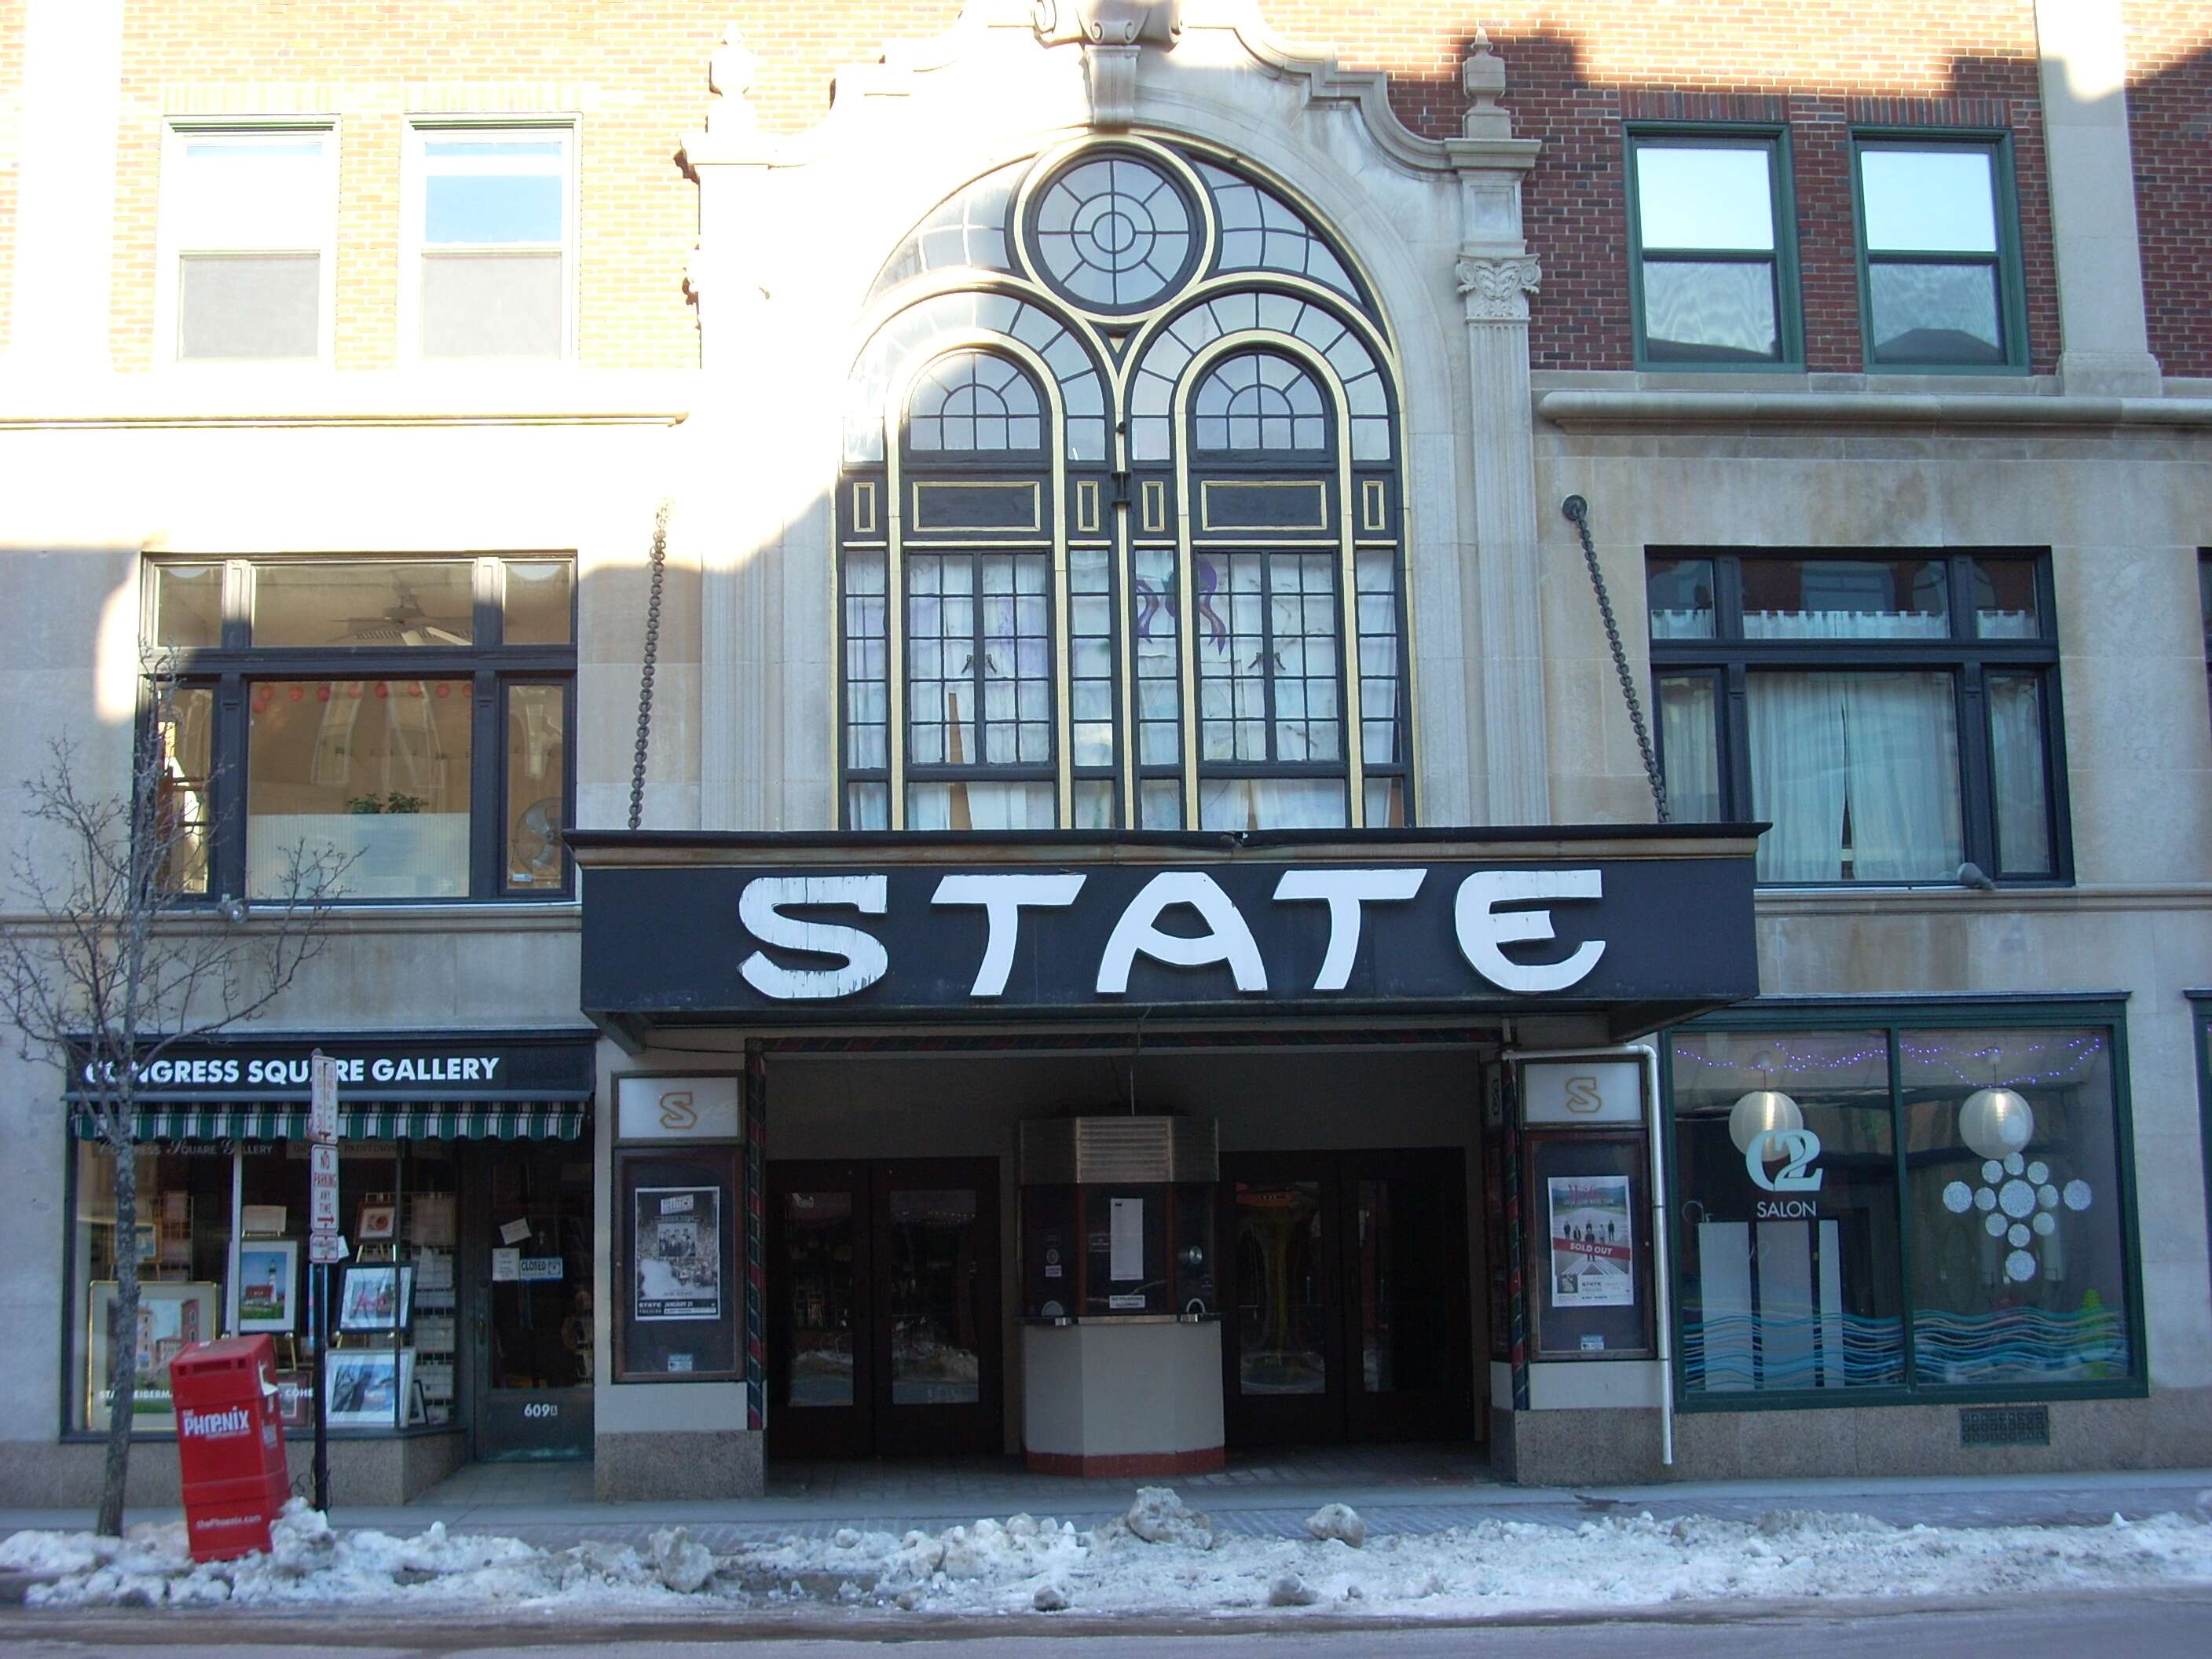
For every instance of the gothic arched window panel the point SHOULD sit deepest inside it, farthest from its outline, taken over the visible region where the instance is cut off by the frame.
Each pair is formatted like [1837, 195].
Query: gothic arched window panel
[1164, 594]
[974, 402]
[1256, 403]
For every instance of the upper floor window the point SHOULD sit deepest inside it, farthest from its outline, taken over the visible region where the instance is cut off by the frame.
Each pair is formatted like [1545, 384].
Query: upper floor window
[1713, 273]
[1119, 532]
[490, 242]
[1941, 283]
[2204, 602]
[1893, 717]
[248, 222]
[405, 718]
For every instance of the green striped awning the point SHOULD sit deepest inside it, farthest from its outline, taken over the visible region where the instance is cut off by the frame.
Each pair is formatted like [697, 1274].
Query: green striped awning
[440, 1121]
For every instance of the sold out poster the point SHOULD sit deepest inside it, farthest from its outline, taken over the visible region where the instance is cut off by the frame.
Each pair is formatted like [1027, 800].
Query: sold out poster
[1593, 1259]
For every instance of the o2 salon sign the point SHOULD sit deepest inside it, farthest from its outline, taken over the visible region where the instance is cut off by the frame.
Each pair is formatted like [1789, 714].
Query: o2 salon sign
[663, 940]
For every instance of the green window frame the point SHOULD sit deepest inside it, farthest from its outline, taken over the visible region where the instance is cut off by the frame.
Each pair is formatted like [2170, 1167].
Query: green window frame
[1895, 1025]
[1878, 256]
[1650, 247]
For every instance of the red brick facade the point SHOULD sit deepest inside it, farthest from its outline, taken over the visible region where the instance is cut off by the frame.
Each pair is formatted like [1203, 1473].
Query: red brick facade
[2170, 117]
[636, 72]
[11, 96]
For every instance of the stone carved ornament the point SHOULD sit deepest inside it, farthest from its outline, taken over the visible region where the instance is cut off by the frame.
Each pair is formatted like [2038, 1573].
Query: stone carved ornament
[1497, 290]
[1110, 22]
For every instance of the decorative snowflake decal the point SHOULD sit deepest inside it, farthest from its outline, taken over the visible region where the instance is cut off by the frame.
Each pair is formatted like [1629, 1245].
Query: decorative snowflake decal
[2019, 1202]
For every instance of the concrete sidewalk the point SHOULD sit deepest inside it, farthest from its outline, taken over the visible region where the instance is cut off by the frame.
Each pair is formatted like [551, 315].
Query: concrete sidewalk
[1401, 1491]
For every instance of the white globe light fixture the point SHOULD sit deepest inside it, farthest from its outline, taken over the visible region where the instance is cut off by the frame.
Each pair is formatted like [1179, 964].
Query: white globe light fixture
[1994, 1123]
[1759, 1112]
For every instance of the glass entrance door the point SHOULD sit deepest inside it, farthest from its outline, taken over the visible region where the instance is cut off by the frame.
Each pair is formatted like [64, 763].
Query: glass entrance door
[528, 1257]
[884, 1307]
[1348, 1315]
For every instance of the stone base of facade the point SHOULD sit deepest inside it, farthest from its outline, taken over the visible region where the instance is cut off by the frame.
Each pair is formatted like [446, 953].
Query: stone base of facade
[2170, 1429]
[682, 1464]
[380, 1474]
[1124, 1466]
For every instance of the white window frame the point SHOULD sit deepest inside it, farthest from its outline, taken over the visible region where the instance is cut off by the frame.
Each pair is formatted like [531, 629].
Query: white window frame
[170, 244]
[416, 169]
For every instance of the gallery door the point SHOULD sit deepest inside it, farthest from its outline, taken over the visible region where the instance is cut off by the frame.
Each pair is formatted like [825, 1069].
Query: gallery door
[1347, 1297]
[527, 1256]
[884, 1314]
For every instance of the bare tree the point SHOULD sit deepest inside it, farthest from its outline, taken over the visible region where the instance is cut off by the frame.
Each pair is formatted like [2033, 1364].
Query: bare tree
[114, 954]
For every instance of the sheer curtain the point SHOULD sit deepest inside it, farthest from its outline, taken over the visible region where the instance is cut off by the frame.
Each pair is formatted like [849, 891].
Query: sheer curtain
[1866, 763]
[2016, 765]
[1689, 745]
[1234, 803]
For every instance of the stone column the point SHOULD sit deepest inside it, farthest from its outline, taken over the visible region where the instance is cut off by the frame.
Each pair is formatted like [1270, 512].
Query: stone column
[2104, 347]
[1496, 274]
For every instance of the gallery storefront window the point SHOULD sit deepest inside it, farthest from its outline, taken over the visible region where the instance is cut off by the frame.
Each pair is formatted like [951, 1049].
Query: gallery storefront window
[1930, 1203]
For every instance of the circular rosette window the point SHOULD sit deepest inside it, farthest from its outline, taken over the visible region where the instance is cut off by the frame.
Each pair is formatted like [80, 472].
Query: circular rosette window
[1114, 233]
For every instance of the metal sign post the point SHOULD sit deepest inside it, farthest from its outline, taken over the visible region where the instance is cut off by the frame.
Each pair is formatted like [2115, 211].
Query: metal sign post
[322, 1242]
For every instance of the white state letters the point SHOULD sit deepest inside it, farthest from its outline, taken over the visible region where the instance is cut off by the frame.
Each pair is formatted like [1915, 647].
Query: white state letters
[759, 908]
[1483, 927]
[1226, 938]
[1002, 899]
[1346, 891]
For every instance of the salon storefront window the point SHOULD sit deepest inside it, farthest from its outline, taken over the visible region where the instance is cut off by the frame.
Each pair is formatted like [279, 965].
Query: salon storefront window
[1895, 1205]
[404, 721]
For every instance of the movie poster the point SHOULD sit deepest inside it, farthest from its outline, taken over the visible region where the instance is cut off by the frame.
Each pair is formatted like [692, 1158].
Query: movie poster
[679, 1253]
[1593, 1251]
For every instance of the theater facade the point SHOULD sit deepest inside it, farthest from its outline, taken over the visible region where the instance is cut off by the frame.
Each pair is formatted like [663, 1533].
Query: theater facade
[1135, 751]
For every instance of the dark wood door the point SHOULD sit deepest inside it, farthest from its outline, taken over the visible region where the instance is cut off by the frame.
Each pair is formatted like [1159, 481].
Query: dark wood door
[1347, 1305]
[820, 1399]
[884, 1307]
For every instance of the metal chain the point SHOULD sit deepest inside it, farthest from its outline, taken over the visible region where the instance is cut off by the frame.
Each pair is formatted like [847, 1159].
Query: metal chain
[1578, 514]
[652, 655]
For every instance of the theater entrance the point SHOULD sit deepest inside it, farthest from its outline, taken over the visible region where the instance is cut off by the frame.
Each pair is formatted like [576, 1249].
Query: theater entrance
[1347, 1313]
[883, 1327]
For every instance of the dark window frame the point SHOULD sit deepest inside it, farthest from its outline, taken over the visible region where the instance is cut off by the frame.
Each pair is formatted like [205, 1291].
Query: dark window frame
[2107, 1011]
[1789, 310]
[2012, 294]
[1968, 660]
[488, 665]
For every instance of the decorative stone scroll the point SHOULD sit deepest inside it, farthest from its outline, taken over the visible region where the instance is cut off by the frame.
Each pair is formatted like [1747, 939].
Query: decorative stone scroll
[1497, 290]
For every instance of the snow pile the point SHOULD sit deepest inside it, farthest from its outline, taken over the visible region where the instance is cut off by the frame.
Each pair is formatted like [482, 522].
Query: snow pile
[1160, 1558]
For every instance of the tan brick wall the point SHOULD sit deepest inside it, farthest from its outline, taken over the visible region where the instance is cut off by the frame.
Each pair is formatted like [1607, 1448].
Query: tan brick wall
[637, 69]
[2170, 128]
[634, 71]
[12, 15]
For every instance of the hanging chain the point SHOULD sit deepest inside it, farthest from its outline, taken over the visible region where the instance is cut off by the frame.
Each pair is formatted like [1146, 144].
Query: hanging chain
[652, 655]
[1578, 512]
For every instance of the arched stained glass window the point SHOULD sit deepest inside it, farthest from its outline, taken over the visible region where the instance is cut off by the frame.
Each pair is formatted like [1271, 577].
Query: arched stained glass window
[974, 402]
[1257, 402]
[1169, 597]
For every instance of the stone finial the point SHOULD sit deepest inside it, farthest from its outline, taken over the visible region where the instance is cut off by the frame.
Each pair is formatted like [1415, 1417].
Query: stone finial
[1483, 74]
[731, 68]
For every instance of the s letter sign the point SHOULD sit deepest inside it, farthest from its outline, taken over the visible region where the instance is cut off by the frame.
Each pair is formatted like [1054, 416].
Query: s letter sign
[941, 937]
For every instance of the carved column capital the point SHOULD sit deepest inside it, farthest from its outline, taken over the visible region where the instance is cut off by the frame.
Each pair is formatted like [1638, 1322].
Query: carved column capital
[1496, 290]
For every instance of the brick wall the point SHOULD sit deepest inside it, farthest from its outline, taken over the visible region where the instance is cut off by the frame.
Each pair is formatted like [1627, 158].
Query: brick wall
[2170, 122]
[638, 68]
[635, 70]
[11, 105]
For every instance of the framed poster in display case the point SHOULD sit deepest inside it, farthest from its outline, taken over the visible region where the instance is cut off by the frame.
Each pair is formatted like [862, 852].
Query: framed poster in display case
[269, 1285]
[169, 1316]
[1587, 1204]
[678, 1265]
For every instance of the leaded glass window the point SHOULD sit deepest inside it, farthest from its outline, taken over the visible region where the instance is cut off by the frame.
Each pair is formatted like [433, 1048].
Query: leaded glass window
[1120, 533]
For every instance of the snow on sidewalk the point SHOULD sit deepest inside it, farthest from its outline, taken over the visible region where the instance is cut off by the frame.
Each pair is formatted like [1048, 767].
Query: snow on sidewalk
[1160, 1558]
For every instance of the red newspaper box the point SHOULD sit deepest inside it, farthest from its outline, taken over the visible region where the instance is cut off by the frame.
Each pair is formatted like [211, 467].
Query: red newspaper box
[230, 1440]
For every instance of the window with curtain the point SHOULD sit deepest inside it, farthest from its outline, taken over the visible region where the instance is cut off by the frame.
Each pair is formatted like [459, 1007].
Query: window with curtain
[1917, 1202]
[1119, 532]
[1893, 718]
